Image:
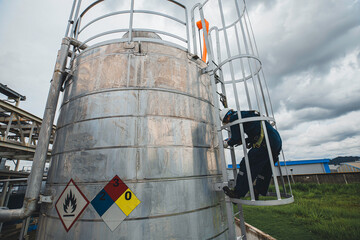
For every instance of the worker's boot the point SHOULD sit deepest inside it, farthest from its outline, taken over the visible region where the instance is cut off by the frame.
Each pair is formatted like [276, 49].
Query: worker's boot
[256, 193]
[230, 193]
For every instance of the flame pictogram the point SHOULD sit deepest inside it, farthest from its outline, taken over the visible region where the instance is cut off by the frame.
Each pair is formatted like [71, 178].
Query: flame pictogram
[70, 200]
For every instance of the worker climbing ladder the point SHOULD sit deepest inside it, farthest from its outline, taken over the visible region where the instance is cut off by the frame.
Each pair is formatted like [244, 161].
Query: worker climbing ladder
[240, 76]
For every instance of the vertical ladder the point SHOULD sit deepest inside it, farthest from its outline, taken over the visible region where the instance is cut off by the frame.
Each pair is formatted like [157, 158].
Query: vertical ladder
[214, 80]
[221, 96]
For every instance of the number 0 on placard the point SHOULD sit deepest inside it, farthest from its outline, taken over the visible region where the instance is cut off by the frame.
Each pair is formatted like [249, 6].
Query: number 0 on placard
[128, 195]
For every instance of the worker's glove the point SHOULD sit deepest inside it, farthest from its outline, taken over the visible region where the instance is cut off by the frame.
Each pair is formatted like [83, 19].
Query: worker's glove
[248, 143]
[226, 145]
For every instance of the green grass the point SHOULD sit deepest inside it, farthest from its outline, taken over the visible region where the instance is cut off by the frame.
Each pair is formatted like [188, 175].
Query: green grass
[326, 211]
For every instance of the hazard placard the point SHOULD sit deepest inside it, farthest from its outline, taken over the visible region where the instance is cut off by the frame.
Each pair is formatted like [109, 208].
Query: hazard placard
[115, 202]
[70, 205]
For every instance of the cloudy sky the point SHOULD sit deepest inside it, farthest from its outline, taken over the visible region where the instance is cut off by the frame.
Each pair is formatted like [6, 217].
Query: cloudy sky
[310, 51]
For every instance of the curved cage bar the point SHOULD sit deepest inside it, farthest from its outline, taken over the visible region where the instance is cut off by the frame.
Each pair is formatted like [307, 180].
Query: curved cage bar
[245, 120]
[102, 17]
[135, 11]
[135, 38]
[285, 199]
[247, 77]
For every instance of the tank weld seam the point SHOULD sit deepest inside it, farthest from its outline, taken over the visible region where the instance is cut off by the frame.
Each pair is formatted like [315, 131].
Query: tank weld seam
[129, 146]
[131, 115]
[145, 180]
[117, 41]
[217, 235]
[173, 214]
[181, 178]
[125, 53]
[84, 59]
[144, 218]
[135, 89]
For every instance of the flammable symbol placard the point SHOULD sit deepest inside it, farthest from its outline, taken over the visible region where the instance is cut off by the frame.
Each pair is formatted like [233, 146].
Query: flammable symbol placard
[70, 205]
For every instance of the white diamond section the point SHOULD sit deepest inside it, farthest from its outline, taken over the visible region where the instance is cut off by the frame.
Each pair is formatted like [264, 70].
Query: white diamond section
[70, 205]
[113, 217]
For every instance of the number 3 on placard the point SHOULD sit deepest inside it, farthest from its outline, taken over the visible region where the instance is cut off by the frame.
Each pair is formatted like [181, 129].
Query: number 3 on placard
[116, 184]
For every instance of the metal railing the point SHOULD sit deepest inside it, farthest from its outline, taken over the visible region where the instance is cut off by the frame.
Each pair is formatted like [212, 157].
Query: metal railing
[80, 28]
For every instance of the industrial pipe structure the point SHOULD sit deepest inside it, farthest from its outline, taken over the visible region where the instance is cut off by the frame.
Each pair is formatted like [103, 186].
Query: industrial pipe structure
[36, 176]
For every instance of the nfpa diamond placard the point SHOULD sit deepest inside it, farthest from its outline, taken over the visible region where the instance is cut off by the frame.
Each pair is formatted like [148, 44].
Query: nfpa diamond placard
[115, 202]
[70, 205]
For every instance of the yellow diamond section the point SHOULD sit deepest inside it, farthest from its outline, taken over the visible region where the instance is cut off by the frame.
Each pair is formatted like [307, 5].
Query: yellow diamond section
[127, 202]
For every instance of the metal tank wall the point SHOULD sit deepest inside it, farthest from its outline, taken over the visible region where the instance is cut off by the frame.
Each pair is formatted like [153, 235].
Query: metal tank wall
[141, 111]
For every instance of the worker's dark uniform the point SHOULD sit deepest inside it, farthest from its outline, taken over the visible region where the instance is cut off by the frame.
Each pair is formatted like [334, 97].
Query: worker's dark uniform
[258, 157]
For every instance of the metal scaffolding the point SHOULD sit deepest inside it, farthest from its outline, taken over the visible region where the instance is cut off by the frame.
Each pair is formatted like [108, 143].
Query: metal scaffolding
[19, 132]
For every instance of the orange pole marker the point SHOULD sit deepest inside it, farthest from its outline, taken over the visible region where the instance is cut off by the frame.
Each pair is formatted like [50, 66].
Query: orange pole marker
[199, 25]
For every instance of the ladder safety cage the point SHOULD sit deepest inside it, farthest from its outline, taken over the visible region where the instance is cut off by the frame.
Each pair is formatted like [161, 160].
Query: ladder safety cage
[239, 78]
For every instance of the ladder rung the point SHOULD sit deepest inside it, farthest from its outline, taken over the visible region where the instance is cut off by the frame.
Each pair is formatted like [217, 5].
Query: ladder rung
[217, 79]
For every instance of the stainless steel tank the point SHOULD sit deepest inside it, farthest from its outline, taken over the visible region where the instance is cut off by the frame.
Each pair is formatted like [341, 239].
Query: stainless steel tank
[141, 111]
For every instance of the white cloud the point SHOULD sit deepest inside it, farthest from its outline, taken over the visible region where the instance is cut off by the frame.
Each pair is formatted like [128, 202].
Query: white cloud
[295, 35]
[324, 138]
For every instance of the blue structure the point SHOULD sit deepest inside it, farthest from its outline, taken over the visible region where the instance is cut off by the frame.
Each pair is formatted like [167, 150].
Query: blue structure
[324, 162]
[303, 166]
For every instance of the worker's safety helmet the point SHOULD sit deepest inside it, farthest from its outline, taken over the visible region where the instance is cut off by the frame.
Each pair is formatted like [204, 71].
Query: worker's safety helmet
[225, 112]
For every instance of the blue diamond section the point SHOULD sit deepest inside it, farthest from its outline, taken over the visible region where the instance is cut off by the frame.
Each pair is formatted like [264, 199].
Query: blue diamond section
[102, 202]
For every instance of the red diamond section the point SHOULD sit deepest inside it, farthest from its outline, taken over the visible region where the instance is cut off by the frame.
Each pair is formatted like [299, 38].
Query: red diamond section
[115, 188]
